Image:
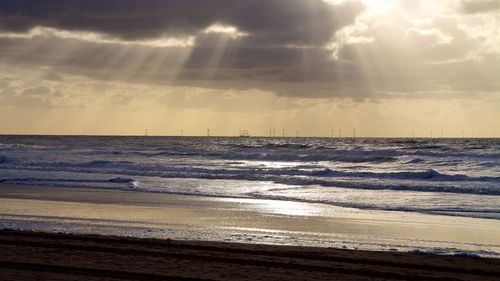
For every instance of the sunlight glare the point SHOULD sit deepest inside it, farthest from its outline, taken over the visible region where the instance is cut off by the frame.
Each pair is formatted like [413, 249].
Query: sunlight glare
[230, 30]
[376, 6]
[379, 6]
[47, 32]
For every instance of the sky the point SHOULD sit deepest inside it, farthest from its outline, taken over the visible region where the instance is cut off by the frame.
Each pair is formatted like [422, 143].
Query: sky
[385, 68]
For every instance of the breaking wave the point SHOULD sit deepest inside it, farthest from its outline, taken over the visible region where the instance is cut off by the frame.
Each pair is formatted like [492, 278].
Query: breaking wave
[458, 167]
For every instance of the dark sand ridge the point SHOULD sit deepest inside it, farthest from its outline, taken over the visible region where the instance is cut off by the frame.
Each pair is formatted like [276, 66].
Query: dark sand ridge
[42, 256]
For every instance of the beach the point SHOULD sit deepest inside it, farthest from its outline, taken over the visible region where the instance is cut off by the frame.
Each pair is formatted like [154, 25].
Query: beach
[42, 256]
[58, 233]
[241, 208]
[187, 217]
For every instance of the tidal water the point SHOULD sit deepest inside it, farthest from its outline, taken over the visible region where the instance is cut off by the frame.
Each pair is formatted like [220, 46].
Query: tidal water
[459, 177]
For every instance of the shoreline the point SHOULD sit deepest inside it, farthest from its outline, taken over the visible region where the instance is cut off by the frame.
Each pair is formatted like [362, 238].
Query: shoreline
[57, 256]
[270, 222]
[450, 213]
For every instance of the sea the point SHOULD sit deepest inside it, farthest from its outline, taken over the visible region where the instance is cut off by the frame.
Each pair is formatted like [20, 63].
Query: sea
[440, 176]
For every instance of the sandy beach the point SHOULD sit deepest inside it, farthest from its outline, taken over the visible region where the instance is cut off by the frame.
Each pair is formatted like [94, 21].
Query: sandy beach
[152, 215]
[42, 256]
[58, 233]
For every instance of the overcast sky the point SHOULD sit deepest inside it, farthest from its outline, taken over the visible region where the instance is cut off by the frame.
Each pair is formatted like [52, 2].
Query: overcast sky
[384, 68]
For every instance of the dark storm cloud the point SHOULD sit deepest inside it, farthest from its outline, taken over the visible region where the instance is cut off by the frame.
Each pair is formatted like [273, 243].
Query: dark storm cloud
[294, 72]
[480, 6]
[298, 72]
[283, 49]
[271, 54]
[267, 21]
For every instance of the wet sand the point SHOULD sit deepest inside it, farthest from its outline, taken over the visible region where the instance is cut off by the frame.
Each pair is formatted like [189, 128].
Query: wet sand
[126, 213]
[42, 256]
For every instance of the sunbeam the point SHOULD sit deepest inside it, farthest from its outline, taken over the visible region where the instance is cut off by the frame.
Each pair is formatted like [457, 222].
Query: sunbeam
[310, 61]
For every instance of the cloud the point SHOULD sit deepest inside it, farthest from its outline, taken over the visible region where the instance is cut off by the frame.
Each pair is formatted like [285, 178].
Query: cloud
[52, 76]
[311, 70]
[301, 48]
[38, 96]
[231, 44]
[267, 22]
[480, 6]
[447, 54]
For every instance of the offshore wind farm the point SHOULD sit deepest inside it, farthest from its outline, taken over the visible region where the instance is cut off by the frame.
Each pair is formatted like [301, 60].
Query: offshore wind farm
[331, 134]
[249, 140]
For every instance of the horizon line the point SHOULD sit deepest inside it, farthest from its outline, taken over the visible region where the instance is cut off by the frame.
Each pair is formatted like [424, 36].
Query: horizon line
[243, 137]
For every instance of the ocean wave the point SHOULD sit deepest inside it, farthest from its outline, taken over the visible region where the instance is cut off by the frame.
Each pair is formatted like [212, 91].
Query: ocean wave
[291, 177]
[19, 146]
[121, 182]
[276, 146]
[427, 180]
[5, 159]
[374, 184]
[352, 157]
[99, 163]
[478, 211]
[465, 167]
[415, 161]
[296, 152]
[383, 203]
[434, 147]
[431, 174]
[428, 174]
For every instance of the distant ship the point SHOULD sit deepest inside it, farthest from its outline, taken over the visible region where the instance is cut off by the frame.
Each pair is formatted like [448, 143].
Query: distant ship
[244, 134]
